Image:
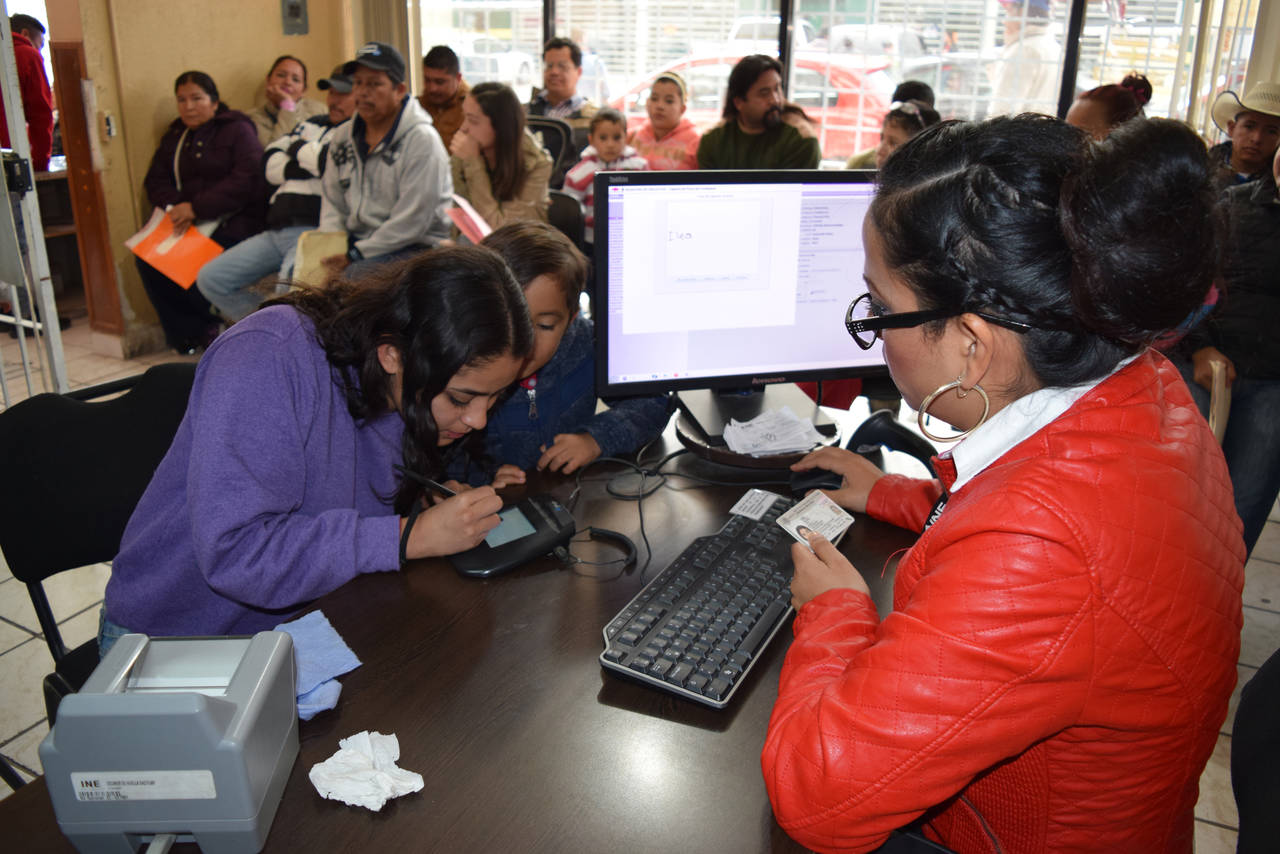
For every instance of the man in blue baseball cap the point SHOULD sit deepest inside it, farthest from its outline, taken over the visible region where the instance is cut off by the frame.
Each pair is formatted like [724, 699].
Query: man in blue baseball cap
[387, 182]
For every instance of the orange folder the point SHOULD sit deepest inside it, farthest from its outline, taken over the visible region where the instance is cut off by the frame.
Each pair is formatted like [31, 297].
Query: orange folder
[178, 256]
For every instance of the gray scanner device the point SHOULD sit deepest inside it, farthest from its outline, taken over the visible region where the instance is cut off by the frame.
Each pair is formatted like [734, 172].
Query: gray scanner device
[187, 736]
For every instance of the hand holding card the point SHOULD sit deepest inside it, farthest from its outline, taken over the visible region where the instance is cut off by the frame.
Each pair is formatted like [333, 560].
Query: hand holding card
[816, 513]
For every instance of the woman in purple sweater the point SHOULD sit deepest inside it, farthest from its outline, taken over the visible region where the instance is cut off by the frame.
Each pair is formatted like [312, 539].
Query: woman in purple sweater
[207, 169]
[281, 486]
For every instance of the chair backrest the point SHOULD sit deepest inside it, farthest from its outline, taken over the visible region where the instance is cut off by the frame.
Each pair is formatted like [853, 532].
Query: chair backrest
[566, 215]
[556, 136]
[74, 470]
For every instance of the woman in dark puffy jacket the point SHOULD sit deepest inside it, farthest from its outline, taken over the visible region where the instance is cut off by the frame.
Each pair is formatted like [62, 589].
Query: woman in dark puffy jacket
[206, 172]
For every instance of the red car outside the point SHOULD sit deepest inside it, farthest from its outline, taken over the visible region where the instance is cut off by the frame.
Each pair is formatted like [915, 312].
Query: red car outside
[845, 95]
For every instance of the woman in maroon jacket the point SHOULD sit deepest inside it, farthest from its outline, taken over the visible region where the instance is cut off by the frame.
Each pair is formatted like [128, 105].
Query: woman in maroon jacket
[1064, 633]
[208, 167]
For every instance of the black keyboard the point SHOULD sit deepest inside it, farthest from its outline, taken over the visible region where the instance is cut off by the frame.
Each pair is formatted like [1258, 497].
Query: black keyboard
[697, 629]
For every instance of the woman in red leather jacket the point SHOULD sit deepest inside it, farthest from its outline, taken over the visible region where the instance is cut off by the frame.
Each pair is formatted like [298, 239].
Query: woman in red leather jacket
[1064, 634]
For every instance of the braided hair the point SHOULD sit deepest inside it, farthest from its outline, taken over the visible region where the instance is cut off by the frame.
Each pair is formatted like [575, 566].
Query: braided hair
[1099, 248]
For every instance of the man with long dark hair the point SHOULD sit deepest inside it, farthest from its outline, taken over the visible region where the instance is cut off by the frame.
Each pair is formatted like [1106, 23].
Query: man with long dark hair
[753, 135]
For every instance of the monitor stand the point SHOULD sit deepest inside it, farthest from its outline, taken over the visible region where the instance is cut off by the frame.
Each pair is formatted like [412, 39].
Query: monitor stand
[707, 412]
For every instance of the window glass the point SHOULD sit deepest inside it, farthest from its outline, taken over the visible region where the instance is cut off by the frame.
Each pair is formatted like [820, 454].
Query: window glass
[496, 40]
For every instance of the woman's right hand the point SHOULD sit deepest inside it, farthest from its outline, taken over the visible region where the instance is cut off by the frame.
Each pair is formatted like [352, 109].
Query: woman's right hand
[463, 146]
[454, 524]
[857, 473]
[182, 215]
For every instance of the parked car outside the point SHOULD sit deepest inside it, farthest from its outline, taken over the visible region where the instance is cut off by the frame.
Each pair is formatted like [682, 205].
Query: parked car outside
[483, 59]
[846, 98]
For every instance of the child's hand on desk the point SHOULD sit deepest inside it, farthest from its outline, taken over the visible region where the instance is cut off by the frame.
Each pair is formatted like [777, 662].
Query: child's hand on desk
[568, 452]
[507, 475]
[857, 472]
[821, 570]
[454, 524]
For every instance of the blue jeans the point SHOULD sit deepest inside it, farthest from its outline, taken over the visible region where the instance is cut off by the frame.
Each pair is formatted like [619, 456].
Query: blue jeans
[226, 280]
[357, 269]
[108, 633]
[1251, 446]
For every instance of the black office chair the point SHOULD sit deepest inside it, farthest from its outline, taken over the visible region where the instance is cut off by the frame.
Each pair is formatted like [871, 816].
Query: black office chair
[73, 472]
[882, 429]
[566, 215]
[556, 136]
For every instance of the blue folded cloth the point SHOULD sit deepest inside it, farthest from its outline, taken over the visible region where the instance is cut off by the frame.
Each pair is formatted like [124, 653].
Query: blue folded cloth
[321, 655]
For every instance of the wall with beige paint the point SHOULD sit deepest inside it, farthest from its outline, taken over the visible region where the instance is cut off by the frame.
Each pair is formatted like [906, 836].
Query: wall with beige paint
[135, 48]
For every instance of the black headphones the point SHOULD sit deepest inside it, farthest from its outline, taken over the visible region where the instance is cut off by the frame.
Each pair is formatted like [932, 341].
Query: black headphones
[622, 541]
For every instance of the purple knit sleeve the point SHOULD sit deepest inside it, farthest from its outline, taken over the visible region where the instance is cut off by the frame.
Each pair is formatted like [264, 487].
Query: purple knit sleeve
[272, 524]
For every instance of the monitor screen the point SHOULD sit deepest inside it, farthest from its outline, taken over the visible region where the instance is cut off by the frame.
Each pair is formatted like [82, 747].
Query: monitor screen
[728, 278]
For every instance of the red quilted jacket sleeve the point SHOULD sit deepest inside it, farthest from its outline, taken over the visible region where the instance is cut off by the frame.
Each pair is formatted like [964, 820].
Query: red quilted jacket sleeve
[877, 722]
[903, 501]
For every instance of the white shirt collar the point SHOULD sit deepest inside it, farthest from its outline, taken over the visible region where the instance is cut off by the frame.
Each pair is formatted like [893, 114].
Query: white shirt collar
[1016, 423]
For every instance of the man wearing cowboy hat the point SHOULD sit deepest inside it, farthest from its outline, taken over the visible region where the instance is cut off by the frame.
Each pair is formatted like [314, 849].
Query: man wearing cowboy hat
[1253, 125]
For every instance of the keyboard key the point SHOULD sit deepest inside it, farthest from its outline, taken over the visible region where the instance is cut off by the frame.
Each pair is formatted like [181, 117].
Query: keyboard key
[679, 673]
[717, 689]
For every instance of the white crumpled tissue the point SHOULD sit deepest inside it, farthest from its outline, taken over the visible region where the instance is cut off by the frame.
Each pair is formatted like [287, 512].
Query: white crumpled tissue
[363, 772]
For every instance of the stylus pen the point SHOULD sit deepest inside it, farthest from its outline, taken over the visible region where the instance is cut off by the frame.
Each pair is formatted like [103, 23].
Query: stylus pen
[438, 488]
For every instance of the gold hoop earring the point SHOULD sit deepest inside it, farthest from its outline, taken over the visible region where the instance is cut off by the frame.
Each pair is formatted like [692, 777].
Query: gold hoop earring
[942, 389]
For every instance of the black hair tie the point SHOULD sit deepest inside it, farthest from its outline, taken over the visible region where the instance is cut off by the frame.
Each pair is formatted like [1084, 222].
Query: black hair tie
[414, 513]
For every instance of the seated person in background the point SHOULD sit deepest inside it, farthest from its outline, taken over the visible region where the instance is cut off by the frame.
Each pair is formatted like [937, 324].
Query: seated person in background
[753, 134]
[442, 91]
[1064, 633]
[1104, 108]
[550, 422]
[559, 98]
[293, 165]
[1240, 333]
[907, 90]
[285, 107]
[497, 164]
[281, 485]
[386, 180]
[668, 140]
[904, 120]
[207, 169]
[607, 152]
[1252, 127]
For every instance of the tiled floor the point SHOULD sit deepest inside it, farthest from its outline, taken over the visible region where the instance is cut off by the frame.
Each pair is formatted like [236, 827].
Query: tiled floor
[76, 596]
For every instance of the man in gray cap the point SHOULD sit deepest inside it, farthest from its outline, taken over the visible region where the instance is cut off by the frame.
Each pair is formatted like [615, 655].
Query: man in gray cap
[1252, 125]
[387, 183]
[293, 165]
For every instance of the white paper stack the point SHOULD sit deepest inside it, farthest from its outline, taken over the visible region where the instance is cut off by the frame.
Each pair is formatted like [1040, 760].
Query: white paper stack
[778, 431]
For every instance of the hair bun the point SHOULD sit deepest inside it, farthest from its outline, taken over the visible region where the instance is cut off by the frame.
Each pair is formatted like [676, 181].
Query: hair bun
[1140, 86]
[1143, 223]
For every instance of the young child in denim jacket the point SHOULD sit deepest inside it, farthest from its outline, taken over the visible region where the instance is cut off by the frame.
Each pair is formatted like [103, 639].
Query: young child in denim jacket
[550, 419]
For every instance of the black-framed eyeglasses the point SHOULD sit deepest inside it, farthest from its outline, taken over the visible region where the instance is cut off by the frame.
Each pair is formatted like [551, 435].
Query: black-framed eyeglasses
[865, 325]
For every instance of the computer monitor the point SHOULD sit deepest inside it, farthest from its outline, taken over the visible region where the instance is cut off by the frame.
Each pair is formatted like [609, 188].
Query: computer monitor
[727, 280]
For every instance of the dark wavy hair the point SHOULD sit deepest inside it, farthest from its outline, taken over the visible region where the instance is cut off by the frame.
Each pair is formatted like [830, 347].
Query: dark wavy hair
[1099, 247]
[442, 310]
[743, 77]
[575, 52]
[1121, 101]
[506, 114]
[205, 82]
[532, 249]
[282, 58]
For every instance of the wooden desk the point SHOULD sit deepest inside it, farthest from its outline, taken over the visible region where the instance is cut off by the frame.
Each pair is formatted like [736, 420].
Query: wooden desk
[525, 743]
